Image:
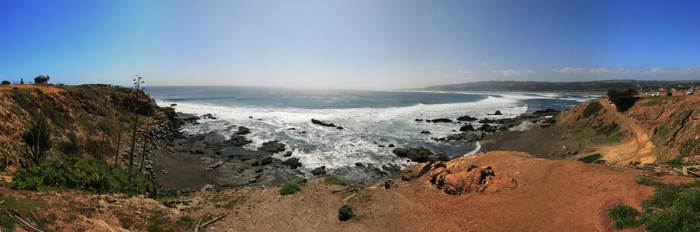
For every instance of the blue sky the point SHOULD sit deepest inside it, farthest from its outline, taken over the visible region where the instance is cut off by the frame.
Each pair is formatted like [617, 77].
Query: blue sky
[347, 44]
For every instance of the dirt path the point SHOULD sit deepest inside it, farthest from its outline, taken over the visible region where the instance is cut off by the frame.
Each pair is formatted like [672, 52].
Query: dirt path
[639, 148]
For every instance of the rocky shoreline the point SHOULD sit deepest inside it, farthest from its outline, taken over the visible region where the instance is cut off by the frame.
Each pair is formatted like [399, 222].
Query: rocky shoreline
[226, 164]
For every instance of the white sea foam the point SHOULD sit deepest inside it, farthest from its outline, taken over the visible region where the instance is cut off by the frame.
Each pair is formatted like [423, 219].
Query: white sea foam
[365, 129]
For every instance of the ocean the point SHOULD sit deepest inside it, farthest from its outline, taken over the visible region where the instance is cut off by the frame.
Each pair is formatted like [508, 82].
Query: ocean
[371, 120]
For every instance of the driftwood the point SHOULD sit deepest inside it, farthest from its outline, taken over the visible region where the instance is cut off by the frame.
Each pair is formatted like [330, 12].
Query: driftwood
[694, 173]
[201, 227]
[26, 224]
[348, 189]
[196, 225]
[348, 198]
[172, 203]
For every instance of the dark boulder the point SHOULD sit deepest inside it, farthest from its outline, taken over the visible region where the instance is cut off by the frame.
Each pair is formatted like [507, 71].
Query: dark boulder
[488, 128]
[237, 141]
[498, 112]
[547, 111]
[340, 128]
[467, 118]
[419, 155]
[272, 146]
[441, 120]
[317, 122]
[242, 130]
[319, 171]
[425, 132]
[292, 163]
[487, 120]
[418, 120]
[467, 127]
[208, 116]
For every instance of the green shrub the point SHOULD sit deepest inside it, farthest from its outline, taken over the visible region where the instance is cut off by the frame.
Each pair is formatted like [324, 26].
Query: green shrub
[591, 158]
[79, 174]
[471, 167]
[673, 207]
[336, 180]
[345, 213]
[302, 181]
[592, 109]
[5, 82]
[624, 216]
[290, 188]
[624, 99]
[38, 140]
[186, 218]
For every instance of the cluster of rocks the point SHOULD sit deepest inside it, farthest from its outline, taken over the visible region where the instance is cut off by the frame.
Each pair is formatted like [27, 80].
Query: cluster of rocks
[457, 182]
[419, 154]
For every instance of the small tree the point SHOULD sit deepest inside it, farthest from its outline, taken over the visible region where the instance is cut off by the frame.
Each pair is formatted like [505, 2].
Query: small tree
[38, 140]
[624, 99]
[5, 82]
[137, 86]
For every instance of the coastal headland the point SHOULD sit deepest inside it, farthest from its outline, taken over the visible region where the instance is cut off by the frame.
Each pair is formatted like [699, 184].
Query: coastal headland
[533, 175]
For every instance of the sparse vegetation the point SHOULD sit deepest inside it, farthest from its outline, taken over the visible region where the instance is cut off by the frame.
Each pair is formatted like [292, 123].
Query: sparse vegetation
[336, 180]
[591, 158]
[624, 216]
[592, 109]
[345, 213]
[290, 188]
[673, 207]
[471, 167]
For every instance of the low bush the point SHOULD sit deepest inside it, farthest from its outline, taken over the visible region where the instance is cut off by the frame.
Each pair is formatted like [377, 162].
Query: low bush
[336, 180]
[290, 188]
[592, 109]
[624, 216]
[591, 158]
[673, 207]
[345, 213]
[79, 173]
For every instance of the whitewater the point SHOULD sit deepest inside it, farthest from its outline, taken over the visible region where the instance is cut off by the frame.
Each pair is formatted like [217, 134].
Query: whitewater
[371, 120]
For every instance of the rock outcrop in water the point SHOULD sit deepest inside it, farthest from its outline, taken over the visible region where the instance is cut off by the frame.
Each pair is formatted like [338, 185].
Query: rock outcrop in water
[419, 154]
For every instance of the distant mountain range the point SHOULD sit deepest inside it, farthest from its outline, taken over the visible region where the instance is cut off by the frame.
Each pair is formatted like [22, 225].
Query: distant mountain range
[545, 86]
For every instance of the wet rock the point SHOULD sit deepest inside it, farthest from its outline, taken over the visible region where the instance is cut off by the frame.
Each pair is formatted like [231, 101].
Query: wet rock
[392, 145]
[317, 122]
[287, 154]
[243, 130]
[466, 118]
[267, 160]
[208, 116]
[498, 112]
[272, 146]
[487, 120]
[340, 128]
[444, 120]
[319, 171]
[415, 171]
[467, 127]
[419, 155]
[293, 163]
[237, 141]
[418, 120]
[425, 132]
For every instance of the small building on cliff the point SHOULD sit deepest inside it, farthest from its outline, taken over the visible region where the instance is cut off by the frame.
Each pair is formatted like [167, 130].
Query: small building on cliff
[40, 80]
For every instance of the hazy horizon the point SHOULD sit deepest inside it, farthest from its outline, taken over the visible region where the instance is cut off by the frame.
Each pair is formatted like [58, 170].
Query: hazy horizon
[370, 45]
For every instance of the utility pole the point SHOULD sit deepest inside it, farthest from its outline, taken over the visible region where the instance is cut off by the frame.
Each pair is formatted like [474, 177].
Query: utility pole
[137, 86]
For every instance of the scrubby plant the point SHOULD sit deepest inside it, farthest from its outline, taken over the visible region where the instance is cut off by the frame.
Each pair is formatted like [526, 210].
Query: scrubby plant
[345, 213]
[302, 181]
[38, 140]
[186, 218]
[290, 188]
[591, 158]
[592, 109]
[5, 82]
[673, 207]
[624, 216]
[79, 173]
[471, 167]
[336, 180]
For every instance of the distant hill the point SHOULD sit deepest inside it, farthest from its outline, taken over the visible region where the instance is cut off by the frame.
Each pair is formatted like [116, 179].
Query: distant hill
[544, 86]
